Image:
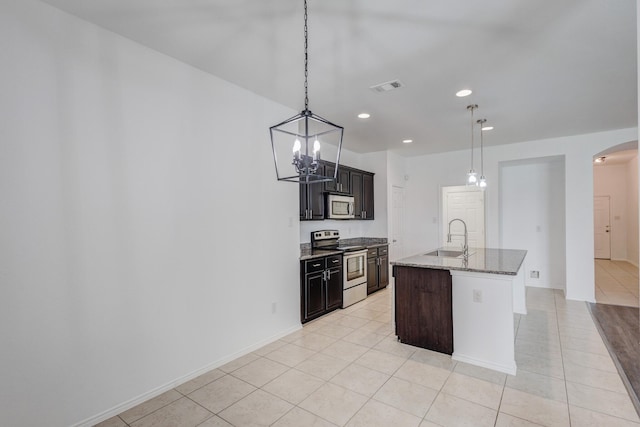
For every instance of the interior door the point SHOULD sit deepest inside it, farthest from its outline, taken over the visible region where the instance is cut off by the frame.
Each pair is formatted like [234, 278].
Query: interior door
[465, 203]
[396, 245]
[602, 227]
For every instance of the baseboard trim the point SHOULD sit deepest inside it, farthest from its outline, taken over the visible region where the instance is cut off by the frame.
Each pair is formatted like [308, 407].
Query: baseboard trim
[510, 369]
[118, 409]
[543, 286]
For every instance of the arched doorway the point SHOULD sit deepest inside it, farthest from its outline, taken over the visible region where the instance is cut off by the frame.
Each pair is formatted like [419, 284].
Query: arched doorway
[615, 191]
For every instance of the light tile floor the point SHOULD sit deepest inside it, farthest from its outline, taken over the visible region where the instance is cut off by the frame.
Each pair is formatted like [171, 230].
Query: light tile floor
[616, 282]
[347, 369]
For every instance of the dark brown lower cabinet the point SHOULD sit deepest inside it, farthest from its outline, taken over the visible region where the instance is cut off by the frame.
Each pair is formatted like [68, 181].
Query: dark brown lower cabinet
[320, 286]
[315, 290]
[423, 308]
[377, 269]
[334, 288]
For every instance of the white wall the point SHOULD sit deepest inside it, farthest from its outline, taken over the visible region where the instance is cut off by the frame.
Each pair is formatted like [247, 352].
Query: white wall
[611, 180]
[427, 174]
[632, 210]
[532, 213]
[128, 221]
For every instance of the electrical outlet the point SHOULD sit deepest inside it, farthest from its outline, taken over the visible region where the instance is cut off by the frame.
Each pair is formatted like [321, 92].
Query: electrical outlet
[274, 307]
[477, 295]
[535, 274]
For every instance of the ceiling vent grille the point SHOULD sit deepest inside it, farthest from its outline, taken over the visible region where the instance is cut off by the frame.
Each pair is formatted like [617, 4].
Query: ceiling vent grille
[387, 86]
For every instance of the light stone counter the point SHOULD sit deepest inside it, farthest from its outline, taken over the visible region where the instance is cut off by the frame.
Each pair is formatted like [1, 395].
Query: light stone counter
[481, 260]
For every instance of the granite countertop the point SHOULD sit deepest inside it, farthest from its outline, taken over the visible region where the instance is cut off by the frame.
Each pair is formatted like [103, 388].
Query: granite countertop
[308, 253]
[482, 260]
[368, 242]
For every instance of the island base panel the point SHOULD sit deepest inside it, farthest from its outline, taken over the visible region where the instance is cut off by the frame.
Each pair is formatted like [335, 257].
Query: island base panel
[423, 308]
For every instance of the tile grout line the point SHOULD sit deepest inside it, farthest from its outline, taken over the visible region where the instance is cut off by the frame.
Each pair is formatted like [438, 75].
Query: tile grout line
[212, 414]
[564, 374]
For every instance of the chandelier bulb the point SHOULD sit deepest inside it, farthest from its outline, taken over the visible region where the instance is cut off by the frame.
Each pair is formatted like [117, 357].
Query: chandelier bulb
[316, 150]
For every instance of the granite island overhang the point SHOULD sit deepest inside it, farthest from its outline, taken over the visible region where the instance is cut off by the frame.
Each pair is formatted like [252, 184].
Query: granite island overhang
[473, 299]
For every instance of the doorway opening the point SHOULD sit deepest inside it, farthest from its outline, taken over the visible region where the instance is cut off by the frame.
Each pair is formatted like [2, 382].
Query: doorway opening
[396, 246]
[465, 203]
[615, 228]
[533, 217]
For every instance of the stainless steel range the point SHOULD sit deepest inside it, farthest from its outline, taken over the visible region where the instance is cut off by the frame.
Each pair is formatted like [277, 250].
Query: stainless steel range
[354, 264]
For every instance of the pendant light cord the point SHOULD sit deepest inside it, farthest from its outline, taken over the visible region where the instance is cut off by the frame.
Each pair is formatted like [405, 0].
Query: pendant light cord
[472, 107]
[306, 60]
[481, 150]
[471, 138]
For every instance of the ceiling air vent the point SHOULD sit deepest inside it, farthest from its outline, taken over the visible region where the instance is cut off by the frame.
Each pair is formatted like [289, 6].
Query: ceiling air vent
[387, 86]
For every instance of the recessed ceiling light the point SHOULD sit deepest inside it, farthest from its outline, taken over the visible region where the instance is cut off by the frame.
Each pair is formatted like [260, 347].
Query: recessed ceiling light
[463, 93]
[600, 159]
[407, 141]
[487, 128]
[364, 115]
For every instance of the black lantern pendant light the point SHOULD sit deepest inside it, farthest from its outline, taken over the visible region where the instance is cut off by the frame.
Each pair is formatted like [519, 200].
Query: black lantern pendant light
[297, 141]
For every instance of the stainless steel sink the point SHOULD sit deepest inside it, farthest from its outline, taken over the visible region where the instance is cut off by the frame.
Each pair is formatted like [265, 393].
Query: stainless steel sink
[445, 253]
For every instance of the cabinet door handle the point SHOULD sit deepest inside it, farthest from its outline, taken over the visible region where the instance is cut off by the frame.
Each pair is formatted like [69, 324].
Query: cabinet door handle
[336, 260]
[316, 265]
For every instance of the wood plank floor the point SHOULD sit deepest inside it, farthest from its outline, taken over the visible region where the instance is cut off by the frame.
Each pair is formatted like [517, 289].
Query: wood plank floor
[620, 330]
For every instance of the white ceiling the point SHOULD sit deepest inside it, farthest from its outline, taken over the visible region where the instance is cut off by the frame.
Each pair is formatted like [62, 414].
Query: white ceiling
[538, 69]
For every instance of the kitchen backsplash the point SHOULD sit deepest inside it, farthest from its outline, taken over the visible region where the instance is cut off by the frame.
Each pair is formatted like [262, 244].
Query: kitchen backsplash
[352, 241]
[348, 229]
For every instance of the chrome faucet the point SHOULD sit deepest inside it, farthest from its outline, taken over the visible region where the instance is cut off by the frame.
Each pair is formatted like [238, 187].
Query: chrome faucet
[465, 248]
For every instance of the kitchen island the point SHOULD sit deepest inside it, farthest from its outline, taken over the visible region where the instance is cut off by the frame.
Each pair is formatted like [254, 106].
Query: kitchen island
[463, 307]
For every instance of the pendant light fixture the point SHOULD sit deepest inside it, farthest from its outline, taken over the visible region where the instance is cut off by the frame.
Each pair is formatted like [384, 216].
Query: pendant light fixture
[482, 182]
[302, 137]
[472, 178]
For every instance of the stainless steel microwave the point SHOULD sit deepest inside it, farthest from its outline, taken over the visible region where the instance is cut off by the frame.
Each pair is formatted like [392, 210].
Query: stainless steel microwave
[340, 206]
